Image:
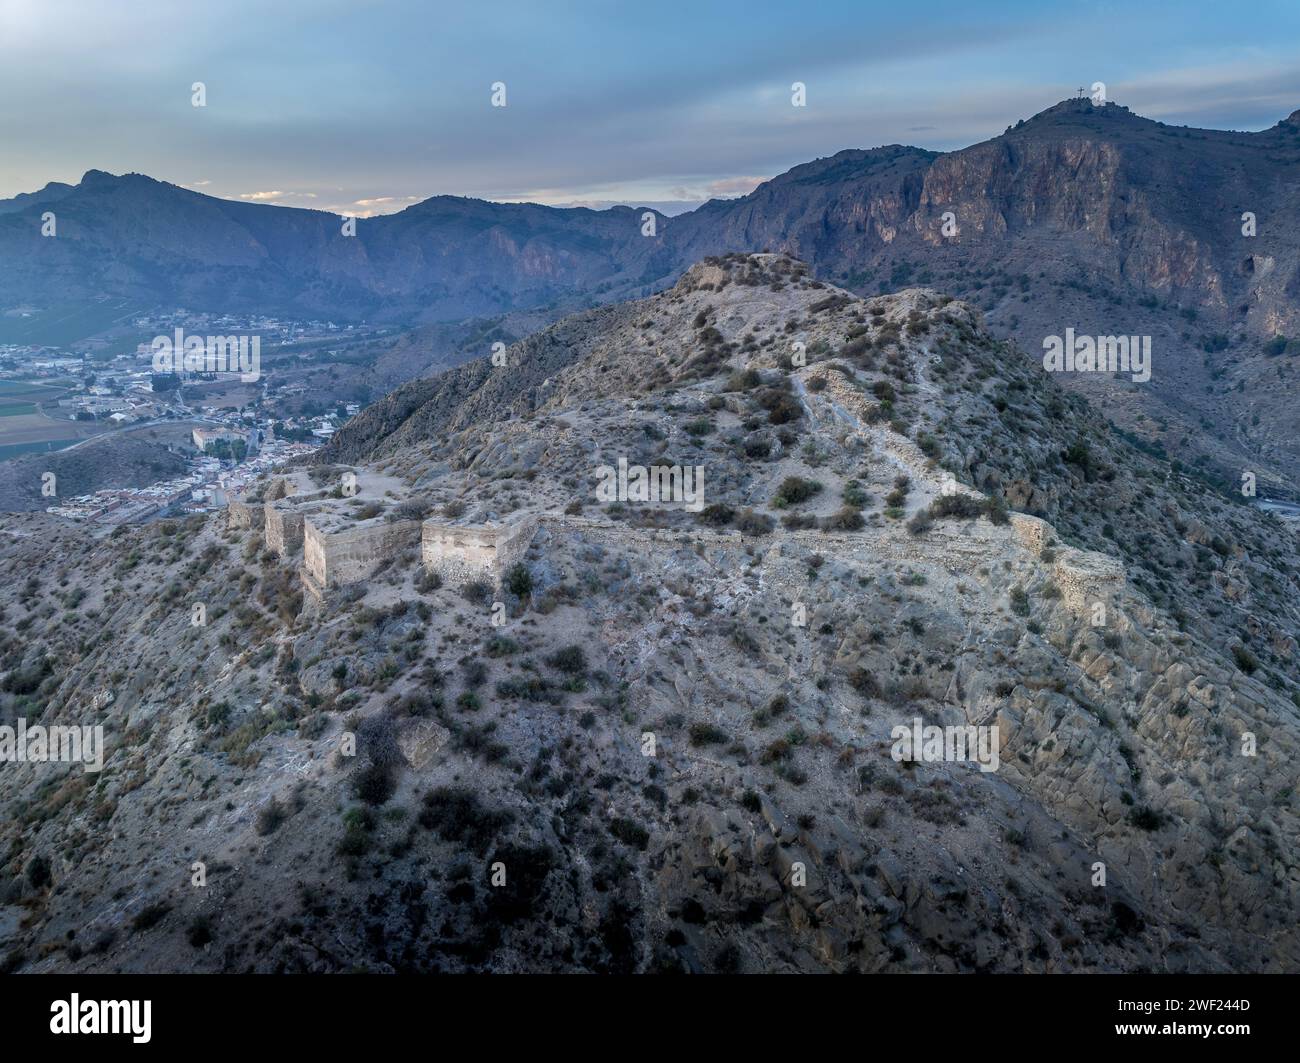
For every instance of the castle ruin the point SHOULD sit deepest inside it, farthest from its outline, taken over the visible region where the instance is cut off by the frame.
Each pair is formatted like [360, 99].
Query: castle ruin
[336, 552]
[283, 529]
[462, 553]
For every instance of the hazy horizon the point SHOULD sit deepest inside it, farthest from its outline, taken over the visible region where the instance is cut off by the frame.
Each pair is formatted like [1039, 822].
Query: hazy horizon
[669, 208]
[353, 106]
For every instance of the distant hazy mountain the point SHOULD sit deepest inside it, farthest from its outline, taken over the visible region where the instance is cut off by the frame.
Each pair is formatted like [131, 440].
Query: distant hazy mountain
[1078, 191]
[1084, 216]
[444, 259]
[47, 196]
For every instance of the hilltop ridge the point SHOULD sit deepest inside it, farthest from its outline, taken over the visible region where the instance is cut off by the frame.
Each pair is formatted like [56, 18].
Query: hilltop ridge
[675, 723]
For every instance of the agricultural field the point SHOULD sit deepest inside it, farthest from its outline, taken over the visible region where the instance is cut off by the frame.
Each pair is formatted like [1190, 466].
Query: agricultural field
[61, 324]
[25, 428]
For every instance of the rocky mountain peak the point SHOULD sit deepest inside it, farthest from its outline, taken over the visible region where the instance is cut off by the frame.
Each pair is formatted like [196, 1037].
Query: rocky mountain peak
[97, 179]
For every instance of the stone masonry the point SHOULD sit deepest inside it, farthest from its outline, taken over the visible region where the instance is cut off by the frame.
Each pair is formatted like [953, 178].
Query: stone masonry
[334, 555]
[284, 530]
[461, 553]
[336, 552]
[239, 515]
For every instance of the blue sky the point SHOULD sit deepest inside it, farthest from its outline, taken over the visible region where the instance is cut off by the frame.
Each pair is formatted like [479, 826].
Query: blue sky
[366, 106]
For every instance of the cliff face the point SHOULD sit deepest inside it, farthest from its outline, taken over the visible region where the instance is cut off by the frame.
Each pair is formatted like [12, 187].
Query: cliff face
[1078, 193]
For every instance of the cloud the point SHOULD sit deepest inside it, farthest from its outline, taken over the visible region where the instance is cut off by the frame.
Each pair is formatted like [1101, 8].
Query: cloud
[275, 196]
[342, 104]
[731, 187]
[721, 188]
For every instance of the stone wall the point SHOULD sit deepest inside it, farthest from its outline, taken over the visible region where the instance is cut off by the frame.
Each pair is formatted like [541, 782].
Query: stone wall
[239, 515]
[279, 487]
[1032, 532]
[284, 530]
[461, 553]
[1086, 578]
[335, 556]
[960, 547]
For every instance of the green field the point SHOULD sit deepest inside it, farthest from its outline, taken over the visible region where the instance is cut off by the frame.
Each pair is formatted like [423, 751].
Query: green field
[23, 390]
[65, 323]
[44, 446]
[24, 429]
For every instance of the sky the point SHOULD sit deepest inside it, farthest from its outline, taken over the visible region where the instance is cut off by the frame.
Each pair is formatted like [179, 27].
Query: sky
[367, 106]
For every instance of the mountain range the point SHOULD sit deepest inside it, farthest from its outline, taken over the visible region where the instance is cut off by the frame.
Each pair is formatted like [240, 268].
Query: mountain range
[1084, 216]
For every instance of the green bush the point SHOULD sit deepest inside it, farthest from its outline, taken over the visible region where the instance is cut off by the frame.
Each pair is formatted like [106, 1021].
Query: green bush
[1246, 660]
[457, 815]
[1146, 818]
[630, 833]
[752, 523]
[864, 682]
[847, 519]
[150, 916]
[519, 580]
[571, 660]
[706, 734]
[717, 515]
[794, 490]
[957, 505]
[373, 783]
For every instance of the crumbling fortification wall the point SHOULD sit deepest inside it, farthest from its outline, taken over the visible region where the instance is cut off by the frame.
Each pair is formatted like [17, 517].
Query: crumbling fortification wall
[1032, 532]
[960, 547]
[965, 545]
[1086, 578]
[239, 515]
[335, 556]
[284, 530]
[461, 553]
[1083, 576]
[279, 487]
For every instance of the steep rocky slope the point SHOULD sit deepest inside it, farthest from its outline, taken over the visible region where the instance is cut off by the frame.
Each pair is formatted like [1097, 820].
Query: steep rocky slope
[677, 747]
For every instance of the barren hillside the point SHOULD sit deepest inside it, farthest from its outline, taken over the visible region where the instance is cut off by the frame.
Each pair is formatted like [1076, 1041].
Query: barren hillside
[633, 736]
